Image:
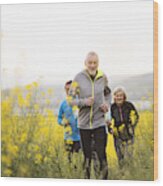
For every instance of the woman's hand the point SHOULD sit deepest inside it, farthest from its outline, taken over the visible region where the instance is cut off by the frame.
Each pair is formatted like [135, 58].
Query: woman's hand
[104, 107]
[89, 101]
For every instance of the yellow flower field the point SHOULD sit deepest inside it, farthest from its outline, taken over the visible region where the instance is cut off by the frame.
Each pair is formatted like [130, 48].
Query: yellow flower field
[33, 146]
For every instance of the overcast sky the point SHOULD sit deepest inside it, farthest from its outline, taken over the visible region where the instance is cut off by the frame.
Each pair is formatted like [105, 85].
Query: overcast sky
[50, 41]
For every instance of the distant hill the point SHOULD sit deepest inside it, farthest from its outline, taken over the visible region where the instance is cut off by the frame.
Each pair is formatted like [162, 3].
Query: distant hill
[136, 86]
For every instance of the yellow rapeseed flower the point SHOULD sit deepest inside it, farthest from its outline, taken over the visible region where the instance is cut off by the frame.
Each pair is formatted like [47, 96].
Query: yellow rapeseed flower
[23, 102]
[26, 102]
[44, 131]
[7, 172]
[133, 117]
[35, 84]
[28, 96]
[16, 91]
[69, 141]
[33, 148]
[74, 84]
[23, 137]
[46, 159]
[12, 149]
[6, 160]
[51, 149]
[74, 108]
[6, 107]
[43, 94]
[23, 169]
[69, 99]
[65, 121]
[68, 130]
[36, 107]
[38, 158]
[47, 101]
[115, 131]
[20, 100]
[50, 113]
[121, 128]
[50, 91]
[29, 155]
[28, 87]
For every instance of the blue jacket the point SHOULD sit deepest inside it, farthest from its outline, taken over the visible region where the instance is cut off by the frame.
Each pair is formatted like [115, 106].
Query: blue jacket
[65, 111]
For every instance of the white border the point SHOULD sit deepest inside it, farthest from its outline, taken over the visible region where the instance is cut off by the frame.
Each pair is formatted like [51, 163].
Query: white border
[41, 182]
[54, 1]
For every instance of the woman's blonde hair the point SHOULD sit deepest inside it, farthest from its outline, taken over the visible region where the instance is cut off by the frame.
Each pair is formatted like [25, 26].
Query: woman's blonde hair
[90, 54]
[120, 89]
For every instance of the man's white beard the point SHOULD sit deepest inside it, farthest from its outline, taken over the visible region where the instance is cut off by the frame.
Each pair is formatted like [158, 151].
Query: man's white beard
[92, 73]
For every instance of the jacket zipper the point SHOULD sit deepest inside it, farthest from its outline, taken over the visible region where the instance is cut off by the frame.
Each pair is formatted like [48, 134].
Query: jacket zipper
[121, 116]
[91, 112]
[93, 95]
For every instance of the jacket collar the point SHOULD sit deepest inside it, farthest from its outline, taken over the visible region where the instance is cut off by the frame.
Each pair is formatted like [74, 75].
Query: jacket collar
[98, 75]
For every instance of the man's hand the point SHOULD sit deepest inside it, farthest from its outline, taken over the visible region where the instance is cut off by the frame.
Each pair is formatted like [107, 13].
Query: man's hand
[109, 125]
[65, 122]
[89, 101]
[104, 107]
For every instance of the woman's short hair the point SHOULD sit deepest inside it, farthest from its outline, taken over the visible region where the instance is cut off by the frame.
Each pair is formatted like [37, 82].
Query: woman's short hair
[68, 83]
[92, 53]
[120, 89]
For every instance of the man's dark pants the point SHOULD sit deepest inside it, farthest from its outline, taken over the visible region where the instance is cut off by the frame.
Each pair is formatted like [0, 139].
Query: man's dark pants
[100, 142]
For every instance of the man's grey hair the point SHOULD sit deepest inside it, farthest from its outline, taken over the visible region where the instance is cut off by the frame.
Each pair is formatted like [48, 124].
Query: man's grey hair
[91, 53]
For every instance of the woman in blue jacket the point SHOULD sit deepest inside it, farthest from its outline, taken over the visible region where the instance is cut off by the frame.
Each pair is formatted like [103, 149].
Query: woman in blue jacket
[67, 117]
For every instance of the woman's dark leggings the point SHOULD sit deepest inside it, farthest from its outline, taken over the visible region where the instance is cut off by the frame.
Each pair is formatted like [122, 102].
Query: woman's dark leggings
[99, 136]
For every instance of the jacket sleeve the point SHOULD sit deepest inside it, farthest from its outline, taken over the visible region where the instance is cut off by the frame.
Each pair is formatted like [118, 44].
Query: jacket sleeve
[112, 110]
[134, 116]
[74, 95]
[107, 91]
[60, 115]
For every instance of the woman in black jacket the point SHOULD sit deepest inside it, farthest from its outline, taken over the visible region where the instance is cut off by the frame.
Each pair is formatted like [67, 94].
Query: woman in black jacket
[125, 118]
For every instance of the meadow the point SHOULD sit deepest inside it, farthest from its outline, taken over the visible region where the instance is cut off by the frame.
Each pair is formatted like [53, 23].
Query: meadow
[32, 142]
